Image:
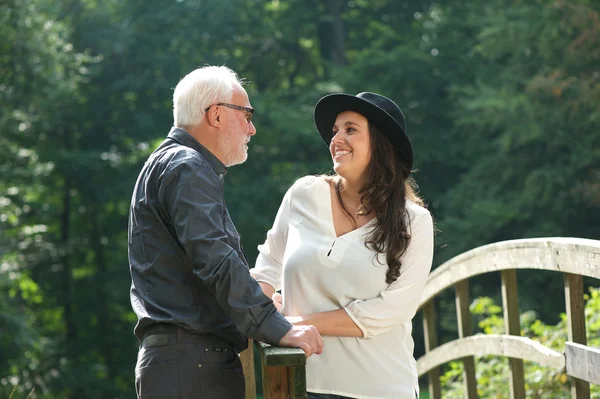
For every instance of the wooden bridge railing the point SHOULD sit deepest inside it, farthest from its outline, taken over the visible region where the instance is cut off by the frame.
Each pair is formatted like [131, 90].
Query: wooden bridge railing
[283, 369]
[574, 257]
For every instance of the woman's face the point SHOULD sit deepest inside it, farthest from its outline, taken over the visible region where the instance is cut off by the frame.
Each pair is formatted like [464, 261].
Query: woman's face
[350, 146]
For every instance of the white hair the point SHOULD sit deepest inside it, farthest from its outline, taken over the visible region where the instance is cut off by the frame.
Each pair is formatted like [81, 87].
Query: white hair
[199, 90]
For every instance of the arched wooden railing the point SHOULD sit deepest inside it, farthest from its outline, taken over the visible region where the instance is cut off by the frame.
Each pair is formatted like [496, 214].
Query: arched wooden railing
[283, 369]
[572, 256]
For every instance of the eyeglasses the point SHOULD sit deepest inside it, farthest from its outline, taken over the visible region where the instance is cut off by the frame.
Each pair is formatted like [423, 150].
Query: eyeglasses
[247, 110]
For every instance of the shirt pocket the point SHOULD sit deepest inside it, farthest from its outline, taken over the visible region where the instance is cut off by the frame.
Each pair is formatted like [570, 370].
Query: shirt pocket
[332, 251]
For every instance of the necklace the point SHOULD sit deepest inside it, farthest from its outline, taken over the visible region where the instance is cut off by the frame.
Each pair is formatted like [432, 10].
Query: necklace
[360, 210]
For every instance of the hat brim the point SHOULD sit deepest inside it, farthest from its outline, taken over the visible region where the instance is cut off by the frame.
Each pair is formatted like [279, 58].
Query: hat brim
[328, 108]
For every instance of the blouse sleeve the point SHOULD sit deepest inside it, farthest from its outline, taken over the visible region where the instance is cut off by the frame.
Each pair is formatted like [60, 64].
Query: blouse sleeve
[268, 267]
[398, 303]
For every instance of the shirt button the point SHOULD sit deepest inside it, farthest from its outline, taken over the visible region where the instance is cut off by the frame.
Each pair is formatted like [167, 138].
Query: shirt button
[199, 365]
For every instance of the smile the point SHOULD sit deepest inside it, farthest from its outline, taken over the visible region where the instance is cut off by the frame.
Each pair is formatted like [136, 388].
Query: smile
[341, 153]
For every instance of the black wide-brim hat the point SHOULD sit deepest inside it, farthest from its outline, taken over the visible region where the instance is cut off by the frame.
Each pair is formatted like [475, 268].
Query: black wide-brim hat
[379, 110]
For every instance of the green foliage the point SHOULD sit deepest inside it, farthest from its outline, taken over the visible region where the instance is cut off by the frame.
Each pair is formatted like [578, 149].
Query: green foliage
[540, 382]
[525, 103]
[500, 97]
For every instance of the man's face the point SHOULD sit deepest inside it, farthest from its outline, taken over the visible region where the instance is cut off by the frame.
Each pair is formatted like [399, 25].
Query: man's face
[234, 138]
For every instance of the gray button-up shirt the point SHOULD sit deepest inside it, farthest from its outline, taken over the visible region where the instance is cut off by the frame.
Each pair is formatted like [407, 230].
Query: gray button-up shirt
[186, 262]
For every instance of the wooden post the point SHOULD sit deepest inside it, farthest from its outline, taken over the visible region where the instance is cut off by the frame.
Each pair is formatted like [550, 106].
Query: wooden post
[247, 358]
[512, 324]
[275, 382]
[431, 342]
[465, 329]
[580, 389]
[297, 382]
[284, 372]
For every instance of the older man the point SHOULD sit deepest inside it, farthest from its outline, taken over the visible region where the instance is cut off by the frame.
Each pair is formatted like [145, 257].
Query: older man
[191, 290]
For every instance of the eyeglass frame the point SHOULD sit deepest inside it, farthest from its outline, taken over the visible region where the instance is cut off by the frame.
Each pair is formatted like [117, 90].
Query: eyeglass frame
[246, 110]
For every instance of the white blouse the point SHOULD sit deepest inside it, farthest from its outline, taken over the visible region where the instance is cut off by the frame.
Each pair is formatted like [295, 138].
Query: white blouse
[318, 272]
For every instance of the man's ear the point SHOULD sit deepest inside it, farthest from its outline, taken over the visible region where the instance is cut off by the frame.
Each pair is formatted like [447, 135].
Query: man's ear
[213, 115]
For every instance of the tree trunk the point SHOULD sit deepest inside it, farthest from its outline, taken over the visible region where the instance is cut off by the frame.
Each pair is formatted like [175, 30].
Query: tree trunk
[331, 34]
[338, 37]
[67, 278]
[104, 321]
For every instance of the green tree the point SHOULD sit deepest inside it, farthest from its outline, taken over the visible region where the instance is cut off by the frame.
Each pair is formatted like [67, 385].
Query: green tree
[499, 97]
[42, 74]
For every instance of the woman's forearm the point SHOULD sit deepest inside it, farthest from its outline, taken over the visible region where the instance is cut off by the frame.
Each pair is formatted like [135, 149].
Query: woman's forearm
[267, 289]
[332, 323]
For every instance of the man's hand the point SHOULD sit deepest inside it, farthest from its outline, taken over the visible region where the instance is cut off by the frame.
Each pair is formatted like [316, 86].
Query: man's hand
[306, 338]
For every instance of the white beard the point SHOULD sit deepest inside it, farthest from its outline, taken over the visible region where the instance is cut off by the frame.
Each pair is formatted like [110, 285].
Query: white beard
[234, 147]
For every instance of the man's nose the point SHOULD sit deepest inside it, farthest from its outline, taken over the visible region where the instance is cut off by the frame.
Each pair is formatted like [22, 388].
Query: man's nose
[251, 129]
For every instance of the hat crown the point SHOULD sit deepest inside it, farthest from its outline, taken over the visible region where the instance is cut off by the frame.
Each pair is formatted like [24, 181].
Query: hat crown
[386, 105]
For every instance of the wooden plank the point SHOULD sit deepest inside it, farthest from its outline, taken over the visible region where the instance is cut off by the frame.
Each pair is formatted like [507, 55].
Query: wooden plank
[275, 382]
[510, 303]
[465, 329]
[297, 382]
[570, 255]
[491, 344]
[575, 308]
[512, 324]
[283, 371]
[247, 358]
[431, 342]
[279, 356]
[583, 362]
[575, 305]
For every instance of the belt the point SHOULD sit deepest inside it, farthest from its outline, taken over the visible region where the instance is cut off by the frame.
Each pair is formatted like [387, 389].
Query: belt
[162, 328]
[165, 333]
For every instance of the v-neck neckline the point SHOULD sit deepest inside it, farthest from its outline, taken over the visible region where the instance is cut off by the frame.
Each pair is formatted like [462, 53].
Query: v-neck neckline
[331, 223]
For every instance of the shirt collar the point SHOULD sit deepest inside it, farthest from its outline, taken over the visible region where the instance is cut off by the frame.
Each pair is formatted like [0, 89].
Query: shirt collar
[184, 138]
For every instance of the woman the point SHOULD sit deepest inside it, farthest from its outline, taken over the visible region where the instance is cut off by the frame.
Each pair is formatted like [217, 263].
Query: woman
[352, 252]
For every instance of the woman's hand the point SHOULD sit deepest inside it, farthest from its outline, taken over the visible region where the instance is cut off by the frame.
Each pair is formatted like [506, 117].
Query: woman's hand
[277, 301]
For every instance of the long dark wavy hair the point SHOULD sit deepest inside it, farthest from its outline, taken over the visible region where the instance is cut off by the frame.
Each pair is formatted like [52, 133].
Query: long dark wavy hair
[387, 186]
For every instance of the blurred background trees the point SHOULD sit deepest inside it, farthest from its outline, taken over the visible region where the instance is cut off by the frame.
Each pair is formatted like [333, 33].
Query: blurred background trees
[501, 98]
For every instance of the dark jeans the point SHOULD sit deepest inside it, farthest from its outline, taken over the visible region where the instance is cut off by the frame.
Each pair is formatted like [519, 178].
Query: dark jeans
[188, 366]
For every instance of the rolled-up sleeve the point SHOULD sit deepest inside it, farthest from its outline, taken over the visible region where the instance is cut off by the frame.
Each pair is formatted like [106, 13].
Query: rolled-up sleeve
[398, 303]
[193, 197]
[268, 266]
